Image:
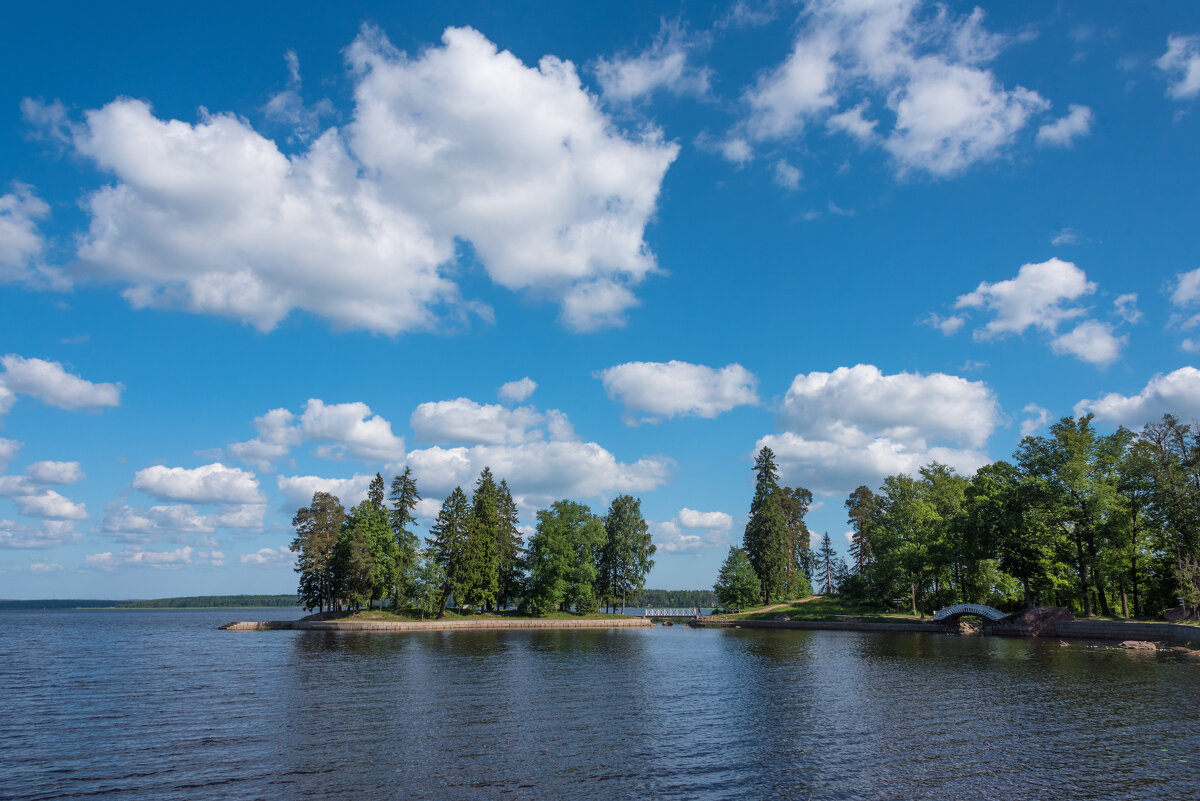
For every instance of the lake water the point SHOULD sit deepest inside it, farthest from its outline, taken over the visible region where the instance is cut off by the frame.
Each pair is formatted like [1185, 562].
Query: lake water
[162, 705]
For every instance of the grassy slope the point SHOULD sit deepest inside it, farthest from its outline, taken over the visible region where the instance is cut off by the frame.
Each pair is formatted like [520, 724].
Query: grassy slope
[819, 608]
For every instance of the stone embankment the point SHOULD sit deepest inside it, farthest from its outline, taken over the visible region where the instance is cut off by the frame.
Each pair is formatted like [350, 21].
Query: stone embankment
[437, 625]
[821, 625]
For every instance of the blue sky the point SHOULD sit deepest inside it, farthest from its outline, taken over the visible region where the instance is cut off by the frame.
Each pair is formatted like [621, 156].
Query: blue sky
[246, 253]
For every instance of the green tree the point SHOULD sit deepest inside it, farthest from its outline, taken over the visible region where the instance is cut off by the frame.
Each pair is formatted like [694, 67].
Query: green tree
[860, 507]
[625, 559]
[368, 525]
[318, 527]
[737, 584]
[512, 549]
[801, 563]
[562, 570]
[404, 497]
[481, 575]
[449, 545]
[429, 582]
[827, 561]
[375, 493]
[356, 572]
[766, 540]
[1000, 513]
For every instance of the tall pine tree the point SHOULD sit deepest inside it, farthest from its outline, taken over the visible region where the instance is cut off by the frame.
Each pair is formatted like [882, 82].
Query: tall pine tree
[448, 545]
[766, 540]
[404, 497]
[512, 550]
[625, 559]
[318, 527]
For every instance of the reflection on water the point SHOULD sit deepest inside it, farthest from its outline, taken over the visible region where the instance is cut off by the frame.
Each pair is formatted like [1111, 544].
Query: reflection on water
[162, 705]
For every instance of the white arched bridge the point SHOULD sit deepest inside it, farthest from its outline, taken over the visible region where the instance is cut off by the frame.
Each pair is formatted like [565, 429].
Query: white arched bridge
[950, 613]
[688, 612]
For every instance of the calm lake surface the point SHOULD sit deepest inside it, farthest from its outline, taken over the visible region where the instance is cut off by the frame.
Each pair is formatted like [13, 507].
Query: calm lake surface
[162, 705]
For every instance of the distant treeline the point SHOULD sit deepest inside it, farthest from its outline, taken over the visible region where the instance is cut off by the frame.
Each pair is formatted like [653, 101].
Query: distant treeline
[212, 602]
[677, 599]
[190, 602]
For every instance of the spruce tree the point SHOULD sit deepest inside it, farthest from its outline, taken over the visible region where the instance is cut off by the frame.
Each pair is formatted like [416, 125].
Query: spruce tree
[481, 564]
[766, 539]
[861, 508]
[375, 493]
[448, 544]
[826, 565]
[404, 497]
[512, 550]
[737, 585]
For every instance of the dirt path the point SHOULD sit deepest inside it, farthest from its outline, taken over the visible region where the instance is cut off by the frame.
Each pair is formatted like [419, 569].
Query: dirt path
[785, 605]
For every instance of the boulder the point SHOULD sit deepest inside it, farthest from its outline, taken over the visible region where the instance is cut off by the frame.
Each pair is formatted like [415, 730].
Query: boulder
[1037, 621]
[1138, 645]
[969, 626]
[782, 617]
[1175, 615]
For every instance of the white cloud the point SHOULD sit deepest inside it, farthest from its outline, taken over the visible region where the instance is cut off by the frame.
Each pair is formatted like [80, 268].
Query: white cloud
[670, 537]
[854, 122]
[717, 521]
[903, 406]
[857, 425]
[350, 428]
[460, 142]
[8, 449]
[1092, 342]
[949, 111]
[668, 64]
[518, 160]
[949, 117]
[1125, 307]
[45, 567]
[50, 504]
[786, 175]
[1064, 131]
[176, 521]
[211, 483]
[21, 243]
[835, 465]
[464, 421]
[539, 471]
[1067, 236]
[947, 325]
[1035, 298]
[277, 433]
[785, 99]
[55, 473]
[744, 14]
[269, 557]
[1177, 393]
[1187, 289]
[1190, 345]
[298, 490]
[1181, 63]
[667, 389]
[136, 557]
[1038, 417]
[288, 107]
[49, 534]
[340, 430]
[52, 384]
[517, 391]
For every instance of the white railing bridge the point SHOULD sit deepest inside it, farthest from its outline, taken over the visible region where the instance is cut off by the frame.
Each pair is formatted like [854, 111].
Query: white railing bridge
[689, 612]
[985, 612]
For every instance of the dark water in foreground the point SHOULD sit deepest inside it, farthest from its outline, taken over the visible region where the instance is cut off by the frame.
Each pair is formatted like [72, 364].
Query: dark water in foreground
[161, 705]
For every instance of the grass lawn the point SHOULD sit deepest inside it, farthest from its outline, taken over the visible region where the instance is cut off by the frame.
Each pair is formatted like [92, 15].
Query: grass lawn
[821, 608]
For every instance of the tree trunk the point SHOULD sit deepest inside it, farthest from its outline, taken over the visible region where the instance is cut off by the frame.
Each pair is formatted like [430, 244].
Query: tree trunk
[1028, 592]
[1081, 566]
[1124, 604]
[913, 590]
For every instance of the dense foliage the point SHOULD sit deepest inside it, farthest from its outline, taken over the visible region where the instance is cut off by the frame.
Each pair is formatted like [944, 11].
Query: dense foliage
[776, 541]
[1100, 524]
[677, 599]
[737, 584]
[474, 557]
